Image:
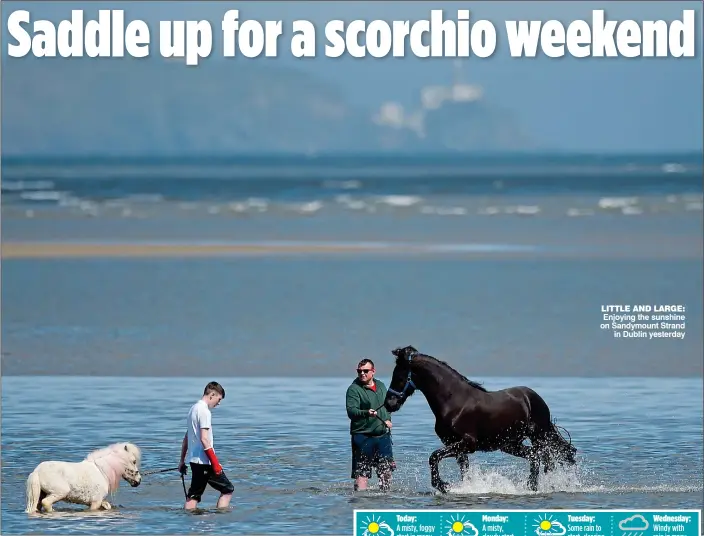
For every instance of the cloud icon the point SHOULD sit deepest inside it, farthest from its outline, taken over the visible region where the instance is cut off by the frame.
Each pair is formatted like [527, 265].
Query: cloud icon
[636, 522]
[559, 529]
[556, 529]
[471, 529]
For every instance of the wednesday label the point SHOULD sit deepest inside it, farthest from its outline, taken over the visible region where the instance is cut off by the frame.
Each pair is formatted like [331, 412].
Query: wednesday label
[527, 523]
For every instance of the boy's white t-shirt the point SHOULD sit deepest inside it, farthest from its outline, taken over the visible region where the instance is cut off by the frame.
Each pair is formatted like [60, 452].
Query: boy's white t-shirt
[198, 417]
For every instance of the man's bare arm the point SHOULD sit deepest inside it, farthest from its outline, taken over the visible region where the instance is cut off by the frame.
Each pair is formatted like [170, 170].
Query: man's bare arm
[205, 438]
[184, 448]
[209, 452]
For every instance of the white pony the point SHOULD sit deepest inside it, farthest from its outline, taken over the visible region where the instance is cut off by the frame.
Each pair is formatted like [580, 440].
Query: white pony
[87, 482]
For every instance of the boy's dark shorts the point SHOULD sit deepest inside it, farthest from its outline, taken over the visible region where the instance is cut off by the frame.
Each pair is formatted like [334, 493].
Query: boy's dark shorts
[201, 476]
[372, 452]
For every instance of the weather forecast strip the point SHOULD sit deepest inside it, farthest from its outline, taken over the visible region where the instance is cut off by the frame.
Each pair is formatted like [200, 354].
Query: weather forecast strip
[527, 522]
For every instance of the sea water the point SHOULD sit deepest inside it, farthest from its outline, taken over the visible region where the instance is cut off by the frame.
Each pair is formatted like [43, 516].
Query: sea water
[284, 443]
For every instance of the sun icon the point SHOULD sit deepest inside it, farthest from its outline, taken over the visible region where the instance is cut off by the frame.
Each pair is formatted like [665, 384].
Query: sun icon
[376, 526]
[546, 525]
[458, 526]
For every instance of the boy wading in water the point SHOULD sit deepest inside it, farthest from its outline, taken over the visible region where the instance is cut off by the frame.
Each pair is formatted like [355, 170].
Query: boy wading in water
[198, 447]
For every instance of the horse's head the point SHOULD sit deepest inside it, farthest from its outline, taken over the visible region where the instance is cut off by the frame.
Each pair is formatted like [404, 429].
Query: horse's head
[401, 386]
[407, 352]
[132, 457]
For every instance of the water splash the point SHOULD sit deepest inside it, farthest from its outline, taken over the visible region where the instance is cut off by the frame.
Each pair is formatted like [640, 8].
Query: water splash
[514, 481]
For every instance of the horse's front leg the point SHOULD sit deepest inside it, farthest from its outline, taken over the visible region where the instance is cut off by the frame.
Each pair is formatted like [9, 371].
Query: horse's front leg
[530, 454]
[95, 505]
[465, 446]
[448, 437]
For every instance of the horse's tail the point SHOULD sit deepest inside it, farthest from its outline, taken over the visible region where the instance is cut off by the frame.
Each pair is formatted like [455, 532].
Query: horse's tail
[561, 449]
[547, 439]
[34, 491]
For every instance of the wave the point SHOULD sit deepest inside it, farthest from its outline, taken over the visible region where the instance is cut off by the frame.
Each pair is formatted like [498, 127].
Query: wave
[396, 182]
[303, 203]
[19, 186]
[44, 195]
[399, 200]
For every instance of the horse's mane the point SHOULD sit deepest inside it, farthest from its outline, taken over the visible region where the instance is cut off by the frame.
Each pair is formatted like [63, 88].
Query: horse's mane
[113, 460]
[455, 373]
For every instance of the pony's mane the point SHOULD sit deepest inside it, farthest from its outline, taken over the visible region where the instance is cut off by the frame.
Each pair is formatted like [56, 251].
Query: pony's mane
[112, 461]
[116, 449]
[455, 373]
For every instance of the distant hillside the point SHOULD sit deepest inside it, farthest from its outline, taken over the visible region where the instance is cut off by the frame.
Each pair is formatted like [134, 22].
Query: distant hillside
[128, 106]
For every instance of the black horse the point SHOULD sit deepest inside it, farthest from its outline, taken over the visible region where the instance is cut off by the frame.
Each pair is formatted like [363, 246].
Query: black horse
[468, 418]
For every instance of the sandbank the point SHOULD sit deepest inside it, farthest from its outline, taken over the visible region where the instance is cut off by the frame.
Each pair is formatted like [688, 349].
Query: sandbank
[38, 250]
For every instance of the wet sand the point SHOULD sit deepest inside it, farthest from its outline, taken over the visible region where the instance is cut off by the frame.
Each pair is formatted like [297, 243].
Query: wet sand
[38, 250]
[77, 250]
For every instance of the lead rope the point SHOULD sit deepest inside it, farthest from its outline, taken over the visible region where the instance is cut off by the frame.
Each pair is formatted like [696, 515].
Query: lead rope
[388, 431]
[183, 480]
[156, 471]
[382, 420]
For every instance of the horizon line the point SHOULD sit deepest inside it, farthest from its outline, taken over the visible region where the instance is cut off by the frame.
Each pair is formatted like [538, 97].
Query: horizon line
[377, 155]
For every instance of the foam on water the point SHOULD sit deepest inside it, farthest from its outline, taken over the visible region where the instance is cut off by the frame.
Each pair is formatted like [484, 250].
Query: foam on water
[252, 204]
[573, 212]
[399, 200]
[617, 202]
[353, 204]
[310, 207]
[631, 211]
[44, 195]
[444, 211]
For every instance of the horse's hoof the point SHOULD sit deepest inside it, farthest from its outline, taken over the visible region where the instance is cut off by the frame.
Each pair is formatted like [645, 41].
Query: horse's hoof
[442, 487]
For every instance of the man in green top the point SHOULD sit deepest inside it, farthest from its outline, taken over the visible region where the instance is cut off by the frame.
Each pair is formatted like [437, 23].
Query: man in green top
[370, 428]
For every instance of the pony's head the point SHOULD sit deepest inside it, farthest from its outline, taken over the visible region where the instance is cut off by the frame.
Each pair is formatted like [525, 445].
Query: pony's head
[401, 386]
[133, 459]
[120, 460]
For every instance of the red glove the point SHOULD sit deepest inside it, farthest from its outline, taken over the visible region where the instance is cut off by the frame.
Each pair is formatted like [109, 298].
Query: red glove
[210, 453]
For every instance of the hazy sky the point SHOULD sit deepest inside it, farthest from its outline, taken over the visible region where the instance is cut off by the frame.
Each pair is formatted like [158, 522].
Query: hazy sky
[600, 104]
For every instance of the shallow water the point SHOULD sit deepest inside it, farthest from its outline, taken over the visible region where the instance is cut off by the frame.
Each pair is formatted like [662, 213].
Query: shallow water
[284, 443]
[599, 237]
[312, 316]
